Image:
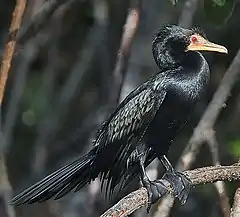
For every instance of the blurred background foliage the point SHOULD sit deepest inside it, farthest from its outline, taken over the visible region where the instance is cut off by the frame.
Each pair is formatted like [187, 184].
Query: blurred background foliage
[61, 84]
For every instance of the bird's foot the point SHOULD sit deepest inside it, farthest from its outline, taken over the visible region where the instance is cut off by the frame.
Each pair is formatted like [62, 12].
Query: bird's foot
[180, 183]
[155, 189]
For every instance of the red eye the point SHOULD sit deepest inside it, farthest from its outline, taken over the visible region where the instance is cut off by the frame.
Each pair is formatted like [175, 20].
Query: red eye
[194, 39]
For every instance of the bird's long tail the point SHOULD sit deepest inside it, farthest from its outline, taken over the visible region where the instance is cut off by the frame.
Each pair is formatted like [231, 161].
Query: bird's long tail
[72, 176]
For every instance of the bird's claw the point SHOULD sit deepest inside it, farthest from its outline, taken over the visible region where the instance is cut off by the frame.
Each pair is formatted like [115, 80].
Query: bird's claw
[155, 189]
[180, 183]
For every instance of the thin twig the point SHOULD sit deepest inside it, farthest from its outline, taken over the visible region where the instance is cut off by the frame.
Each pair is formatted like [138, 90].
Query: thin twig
[138, 199]
[128, 36]
[220, 185]
[164, 206]
[235, 211]
[130, 29]
[10, 46]
[5, 187]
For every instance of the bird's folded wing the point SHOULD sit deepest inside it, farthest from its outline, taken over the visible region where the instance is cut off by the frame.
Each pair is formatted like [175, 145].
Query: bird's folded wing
[136, 115]
[122, 131]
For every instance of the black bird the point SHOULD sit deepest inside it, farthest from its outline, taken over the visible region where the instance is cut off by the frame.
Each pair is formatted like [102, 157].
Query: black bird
[143, 126]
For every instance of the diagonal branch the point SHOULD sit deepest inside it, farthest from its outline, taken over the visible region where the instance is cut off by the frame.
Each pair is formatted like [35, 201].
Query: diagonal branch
[130, 29]
[220, 185]
[5, 187]
[10, 46]
[235, 211]
[138, 199]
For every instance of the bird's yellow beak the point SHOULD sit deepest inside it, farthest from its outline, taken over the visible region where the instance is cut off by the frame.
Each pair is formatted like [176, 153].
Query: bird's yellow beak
[198, 43]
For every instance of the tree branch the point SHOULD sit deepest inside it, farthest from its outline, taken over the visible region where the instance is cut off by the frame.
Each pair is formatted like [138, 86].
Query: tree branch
[10, 46]
[220, 185]
[138, 199]
[235, 211]
[5, 187]
[128, 36]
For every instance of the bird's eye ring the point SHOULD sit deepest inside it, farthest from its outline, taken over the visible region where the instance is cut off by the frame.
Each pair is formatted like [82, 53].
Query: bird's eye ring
[194, 39]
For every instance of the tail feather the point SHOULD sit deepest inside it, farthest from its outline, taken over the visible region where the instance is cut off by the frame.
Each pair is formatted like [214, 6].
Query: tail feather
[43, 190]
[70, 186]
[72, 177]
[77, 180]
[59, 183]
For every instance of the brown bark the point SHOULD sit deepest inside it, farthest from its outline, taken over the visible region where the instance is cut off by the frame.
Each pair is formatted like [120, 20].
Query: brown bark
[138, 199]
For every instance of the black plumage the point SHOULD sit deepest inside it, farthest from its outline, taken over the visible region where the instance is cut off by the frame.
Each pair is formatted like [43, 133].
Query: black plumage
[143, 126]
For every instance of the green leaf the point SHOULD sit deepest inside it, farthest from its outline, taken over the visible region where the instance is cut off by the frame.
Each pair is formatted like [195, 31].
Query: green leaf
[219, 11]
[235, 148]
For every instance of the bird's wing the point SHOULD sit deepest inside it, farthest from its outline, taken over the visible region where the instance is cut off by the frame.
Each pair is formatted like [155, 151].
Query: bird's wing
[123, 130]
[135, 115]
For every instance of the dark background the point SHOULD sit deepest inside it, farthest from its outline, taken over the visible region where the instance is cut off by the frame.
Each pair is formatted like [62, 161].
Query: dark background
[61, 87]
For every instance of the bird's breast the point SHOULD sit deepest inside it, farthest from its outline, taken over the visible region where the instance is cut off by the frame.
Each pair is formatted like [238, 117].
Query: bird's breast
[171, 117]
[188, 90]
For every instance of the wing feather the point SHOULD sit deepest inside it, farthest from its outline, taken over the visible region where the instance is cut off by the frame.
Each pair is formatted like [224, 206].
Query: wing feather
[134, 116]
[123, 130]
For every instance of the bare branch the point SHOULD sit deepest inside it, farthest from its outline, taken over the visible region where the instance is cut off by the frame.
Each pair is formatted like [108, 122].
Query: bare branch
[129, 33]
[5, 187]
[235, 212]
[137, 199]
[128, 204]
[10, 46]
[164, 206]
[224, 200]
[220, 186]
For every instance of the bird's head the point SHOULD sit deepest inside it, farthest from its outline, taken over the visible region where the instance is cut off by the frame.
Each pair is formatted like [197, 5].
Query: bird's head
[172, 44]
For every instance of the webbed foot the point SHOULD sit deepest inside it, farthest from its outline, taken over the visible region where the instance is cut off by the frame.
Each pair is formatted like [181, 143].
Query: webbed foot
[180, 183]
[156, 190]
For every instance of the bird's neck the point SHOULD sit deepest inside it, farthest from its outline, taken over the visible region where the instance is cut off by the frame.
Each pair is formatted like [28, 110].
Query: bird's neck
[195, 64]
[191, 63]
[191, 77]
[165, 59]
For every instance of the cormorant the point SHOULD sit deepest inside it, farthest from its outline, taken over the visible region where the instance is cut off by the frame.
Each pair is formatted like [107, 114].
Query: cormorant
[143, 126]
